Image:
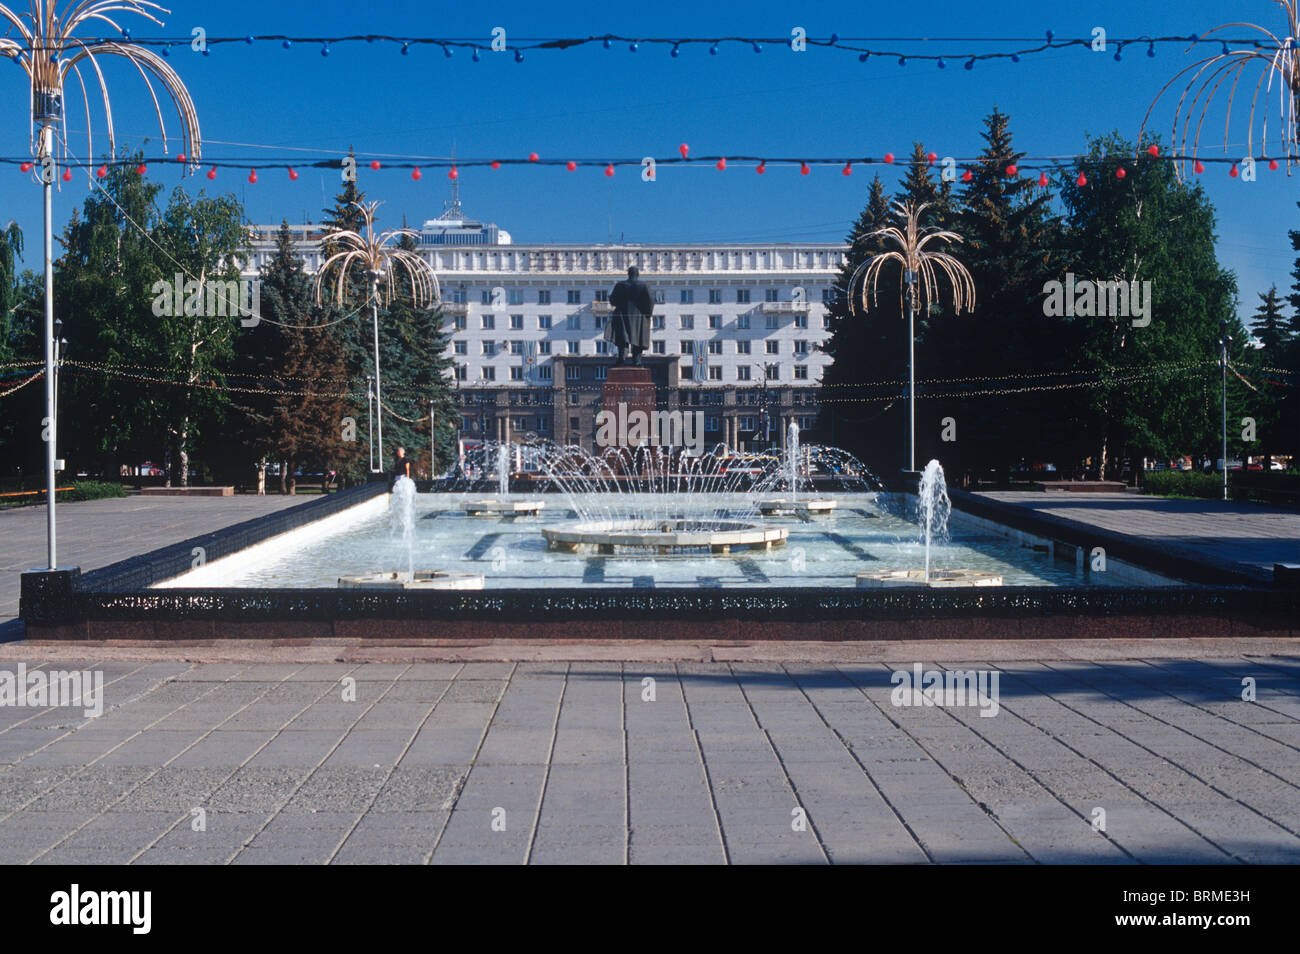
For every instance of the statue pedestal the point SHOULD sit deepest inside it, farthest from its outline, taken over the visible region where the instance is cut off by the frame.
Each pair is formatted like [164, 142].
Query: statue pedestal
[628, 389]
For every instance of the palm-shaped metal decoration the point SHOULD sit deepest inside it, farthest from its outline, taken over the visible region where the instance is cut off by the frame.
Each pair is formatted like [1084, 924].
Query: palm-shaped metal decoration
[921, 268]
[1280, 57]
[383, 261]
[48, 49]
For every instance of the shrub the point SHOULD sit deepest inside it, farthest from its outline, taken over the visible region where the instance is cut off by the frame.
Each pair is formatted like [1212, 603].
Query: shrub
[1183, 483]
[94, 490]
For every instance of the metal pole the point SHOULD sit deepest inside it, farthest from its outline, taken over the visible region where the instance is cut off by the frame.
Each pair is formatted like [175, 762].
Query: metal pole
[379, 399]
[51, 420]
[433, 444]
[1223, 364]
[370, 423]
[911, 382]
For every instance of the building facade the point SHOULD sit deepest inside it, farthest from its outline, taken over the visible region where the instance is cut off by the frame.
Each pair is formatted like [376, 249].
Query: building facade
[736, 334]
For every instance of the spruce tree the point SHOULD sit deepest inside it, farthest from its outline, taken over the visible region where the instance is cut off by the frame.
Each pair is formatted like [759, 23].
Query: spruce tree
[1270, 325]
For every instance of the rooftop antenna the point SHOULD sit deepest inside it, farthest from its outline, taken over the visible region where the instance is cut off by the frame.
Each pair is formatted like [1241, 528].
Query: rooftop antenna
[453, 207]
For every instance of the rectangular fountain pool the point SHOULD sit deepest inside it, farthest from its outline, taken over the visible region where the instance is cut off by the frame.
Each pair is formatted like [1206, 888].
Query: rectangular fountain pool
[509, 552]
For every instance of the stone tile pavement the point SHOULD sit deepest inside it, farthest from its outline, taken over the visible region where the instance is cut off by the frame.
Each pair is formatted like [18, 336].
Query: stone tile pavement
[682, 762]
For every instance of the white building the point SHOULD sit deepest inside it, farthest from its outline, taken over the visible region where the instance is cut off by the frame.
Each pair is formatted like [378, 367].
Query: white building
[737, 327]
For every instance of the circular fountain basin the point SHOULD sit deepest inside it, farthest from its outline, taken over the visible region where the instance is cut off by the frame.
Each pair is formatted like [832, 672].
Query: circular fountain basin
[665, 535]
[939, 579]
[781, 505]
[423, 580]
[490, 508]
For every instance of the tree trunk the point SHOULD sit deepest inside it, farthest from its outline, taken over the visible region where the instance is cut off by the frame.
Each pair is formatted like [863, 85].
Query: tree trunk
[284, 476]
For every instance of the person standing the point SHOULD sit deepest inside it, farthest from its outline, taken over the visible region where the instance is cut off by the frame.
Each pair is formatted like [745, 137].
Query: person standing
[401, 467]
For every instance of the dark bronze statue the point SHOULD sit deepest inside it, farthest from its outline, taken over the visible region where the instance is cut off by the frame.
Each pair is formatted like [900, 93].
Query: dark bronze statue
[629, 326]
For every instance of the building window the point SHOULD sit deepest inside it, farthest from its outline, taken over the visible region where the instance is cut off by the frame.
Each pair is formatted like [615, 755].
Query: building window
[715, 373]
[516, 322]
[485, 296]
[801, 372]
[460, 347]
[657, 322]
[774, 372]
[573, 373]
[800, 346]
[715, 322]
[543, 347]
[715, 296]
[742, 347]
[711, 422]
[657, 347]
[516, 296]
[489, 322]
[602, 346]
[745, 423]
[516, 347]
[826, 322]
[686, 322]
[742, 296]
[742, 322]
[801, 321]
[575, 296]
[490, 348]
[487, 374]
[684, 347]
[573, 322]
[544, 322]
[602, 322]
[459, 296]
[459, 322]
[773, 347]
[600, 371]
[828, 296]
[772, 294]
[575, 347]
[516, 374]
[715, 347]
[742, 373]
[687, 373]
[688, 296]
[659, 296]
[462, 373]
[772, 322]
[574, 424]
[574, 397]
[602, 295]
[544, 296]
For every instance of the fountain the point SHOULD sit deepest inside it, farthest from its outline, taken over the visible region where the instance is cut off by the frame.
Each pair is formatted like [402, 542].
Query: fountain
[794, 461]
[502, 504]
[933, 508]
[401, 519]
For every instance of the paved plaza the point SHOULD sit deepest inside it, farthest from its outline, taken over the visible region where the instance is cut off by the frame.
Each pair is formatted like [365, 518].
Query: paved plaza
[1243, 537]
[686, 762]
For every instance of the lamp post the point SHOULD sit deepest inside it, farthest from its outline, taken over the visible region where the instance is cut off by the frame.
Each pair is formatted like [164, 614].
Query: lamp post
[909, 277]
[1224, 338]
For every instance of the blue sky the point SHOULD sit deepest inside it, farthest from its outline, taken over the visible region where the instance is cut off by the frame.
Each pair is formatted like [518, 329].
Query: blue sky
[593, 102]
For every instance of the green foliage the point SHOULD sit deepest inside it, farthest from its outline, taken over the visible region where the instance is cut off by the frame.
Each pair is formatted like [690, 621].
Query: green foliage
[94, 490]
[1183, 483]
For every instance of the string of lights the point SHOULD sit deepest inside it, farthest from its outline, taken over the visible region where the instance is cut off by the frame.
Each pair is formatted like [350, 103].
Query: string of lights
[900, 49]
[647, 167]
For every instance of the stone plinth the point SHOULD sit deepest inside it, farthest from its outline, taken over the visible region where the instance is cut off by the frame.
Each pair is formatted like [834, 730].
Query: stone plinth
[629, 389]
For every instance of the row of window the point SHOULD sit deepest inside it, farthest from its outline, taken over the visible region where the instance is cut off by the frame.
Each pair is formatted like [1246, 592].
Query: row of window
[544, 372]
[489, 349]
[657, 322]
[746, 423]
[753, 396]
[573, 296]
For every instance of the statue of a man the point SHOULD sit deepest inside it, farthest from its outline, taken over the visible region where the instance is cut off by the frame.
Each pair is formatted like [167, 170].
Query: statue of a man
[629, 326]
